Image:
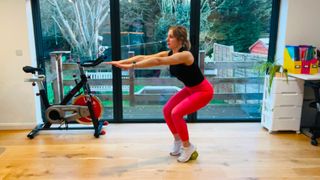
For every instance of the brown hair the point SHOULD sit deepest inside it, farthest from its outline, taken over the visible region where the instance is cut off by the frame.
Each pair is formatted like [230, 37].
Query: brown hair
[181, 34]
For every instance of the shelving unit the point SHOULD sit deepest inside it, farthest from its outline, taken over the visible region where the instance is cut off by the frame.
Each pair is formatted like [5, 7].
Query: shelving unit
[281, 107]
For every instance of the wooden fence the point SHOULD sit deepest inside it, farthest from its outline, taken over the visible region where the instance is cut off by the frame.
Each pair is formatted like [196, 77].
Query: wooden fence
[226, 74]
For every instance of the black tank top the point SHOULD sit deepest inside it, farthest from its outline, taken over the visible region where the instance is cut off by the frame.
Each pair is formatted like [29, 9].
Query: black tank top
[189, 75]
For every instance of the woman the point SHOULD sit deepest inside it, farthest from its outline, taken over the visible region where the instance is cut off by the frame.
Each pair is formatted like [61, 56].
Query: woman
[196, 94]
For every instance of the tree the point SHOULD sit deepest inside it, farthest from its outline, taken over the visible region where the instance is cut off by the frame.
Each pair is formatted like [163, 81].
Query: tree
[173, 12]
[139, 15]
[239, 22]
[80, 22]
[177, 12]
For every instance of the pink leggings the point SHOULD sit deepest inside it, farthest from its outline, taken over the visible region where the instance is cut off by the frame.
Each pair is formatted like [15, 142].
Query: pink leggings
[186, 101]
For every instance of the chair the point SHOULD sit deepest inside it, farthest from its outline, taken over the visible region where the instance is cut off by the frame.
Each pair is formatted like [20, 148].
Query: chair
[314, 127]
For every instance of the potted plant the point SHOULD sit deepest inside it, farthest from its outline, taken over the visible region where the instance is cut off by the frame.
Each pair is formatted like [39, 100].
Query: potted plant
[273, 69]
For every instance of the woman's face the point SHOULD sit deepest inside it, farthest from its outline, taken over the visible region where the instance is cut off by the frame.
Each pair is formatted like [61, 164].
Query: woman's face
[172, 41]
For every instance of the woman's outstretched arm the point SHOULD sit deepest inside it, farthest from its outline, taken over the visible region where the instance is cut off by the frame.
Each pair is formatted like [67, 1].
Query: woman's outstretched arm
[138, 58]
[178, 58]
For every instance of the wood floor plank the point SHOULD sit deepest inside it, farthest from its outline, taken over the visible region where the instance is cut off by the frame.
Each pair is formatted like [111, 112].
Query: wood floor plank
[140, 151]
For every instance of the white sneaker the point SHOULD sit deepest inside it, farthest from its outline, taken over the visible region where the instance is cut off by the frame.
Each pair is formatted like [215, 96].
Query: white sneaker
[188, 153]
[176, 149]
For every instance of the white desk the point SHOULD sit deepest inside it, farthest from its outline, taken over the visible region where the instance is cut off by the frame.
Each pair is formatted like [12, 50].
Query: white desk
[305, 130]
[307, 77]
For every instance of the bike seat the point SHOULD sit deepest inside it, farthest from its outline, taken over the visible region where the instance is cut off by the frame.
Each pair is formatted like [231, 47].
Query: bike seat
[29, 69]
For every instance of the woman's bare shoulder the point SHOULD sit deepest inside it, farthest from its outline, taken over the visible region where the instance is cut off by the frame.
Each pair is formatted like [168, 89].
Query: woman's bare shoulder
[163, 53]
[185, 56]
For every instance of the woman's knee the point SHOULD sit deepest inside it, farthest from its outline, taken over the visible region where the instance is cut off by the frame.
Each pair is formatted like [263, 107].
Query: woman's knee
[176, 114]
[166, 110]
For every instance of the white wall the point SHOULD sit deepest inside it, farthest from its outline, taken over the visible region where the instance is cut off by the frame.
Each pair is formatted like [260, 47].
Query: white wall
[303, 25]
[282, 27]
[298, 24]
[17, 109]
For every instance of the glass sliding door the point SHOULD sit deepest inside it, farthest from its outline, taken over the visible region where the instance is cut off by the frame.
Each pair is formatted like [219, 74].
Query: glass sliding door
[72, 31]
[144, 26]
[234, 39]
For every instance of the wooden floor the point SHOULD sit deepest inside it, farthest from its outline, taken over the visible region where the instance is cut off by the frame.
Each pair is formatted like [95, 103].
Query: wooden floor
[140, 151]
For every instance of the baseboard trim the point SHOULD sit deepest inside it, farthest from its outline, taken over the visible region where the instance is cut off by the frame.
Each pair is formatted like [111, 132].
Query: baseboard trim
[17, 126]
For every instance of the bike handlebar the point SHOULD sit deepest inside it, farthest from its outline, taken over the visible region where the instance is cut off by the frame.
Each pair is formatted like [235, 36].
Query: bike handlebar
[93, 63]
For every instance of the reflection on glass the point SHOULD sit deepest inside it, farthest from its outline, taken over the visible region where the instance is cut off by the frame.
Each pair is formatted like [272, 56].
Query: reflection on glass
[144, 27]
[76, 30]
[233, 41]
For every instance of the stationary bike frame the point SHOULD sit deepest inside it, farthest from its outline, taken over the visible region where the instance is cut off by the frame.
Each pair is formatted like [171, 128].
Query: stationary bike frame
[83, 84]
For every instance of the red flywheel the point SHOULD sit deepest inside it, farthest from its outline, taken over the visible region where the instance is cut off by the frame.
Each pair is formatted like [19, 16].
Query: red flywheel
[97, 108]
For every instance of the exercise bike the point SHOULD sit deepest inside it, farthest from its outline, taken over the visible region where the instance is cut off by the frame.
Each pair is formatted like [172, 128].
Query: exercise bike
[85, 109]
